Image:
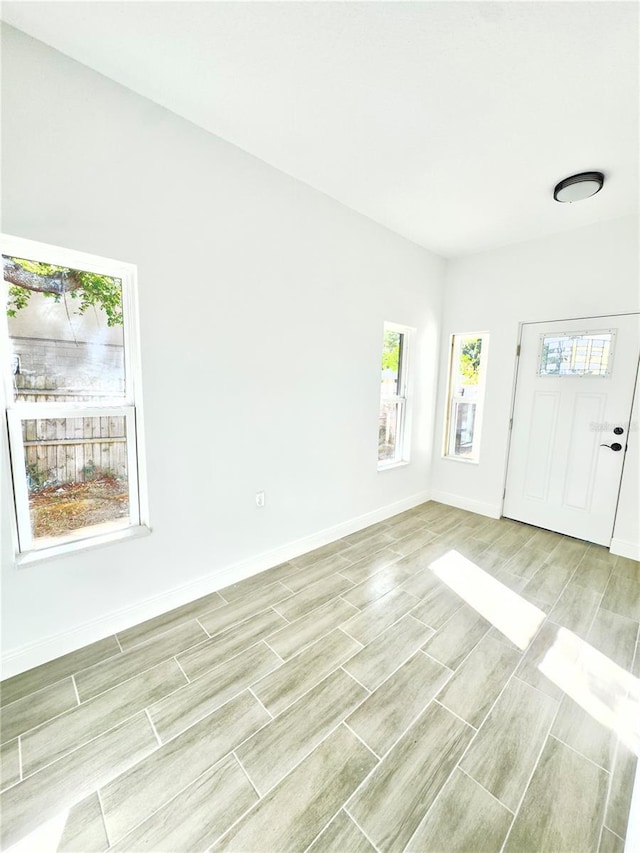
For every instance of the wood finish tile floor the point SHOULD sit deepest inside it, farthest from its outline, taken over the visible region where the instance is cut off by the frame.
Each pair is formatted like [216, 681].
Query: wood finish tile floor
[437, 682]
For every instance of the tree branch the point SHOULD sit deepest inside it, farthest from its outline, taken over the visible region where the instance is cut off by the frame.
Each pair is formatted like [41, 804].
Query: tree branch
[59, 283]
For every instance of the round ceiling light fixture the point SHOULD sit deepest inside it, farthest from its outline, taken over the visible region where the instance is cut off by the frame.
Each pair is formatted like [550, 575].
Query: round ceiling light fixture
[579, 186]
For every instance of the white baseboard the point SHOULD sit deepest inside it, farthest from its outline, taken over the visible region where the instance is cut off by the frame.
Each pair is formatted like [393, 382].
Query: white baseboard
[479, 507]
[625, 549]
[33, 654]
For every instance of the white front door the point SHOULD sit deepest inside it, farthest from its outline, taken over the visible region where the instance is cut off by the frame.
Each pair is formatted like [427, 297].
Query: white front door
[574, 391]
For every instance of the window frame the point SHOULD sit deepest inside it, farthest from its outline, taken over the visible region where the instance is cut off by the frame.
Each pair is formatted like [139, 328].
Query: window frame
[129, 407]
[453, 400]
[402, 399]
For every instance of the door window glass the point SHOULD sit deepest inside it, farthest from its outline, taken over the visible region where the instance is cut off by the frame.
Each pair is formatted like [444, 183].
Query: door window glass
[576, 354]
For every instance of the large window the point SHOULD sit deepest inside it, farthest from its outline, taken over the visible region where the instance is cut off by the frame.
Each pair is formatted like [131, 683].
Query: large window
[467, 369]
[71, 371]
[393, 423]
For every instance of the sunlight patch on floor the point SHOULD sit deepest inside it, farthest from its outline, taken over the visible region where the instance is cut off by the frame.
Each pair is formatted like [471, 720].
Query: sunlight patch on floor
[606, 691]
[511, 614]
[45, 839]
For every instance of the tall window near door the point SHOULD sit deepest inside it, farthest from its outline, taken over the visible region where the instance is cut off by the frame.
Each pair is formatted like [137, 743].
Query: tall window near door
[393, 423]
[72, 395]
[467, 371]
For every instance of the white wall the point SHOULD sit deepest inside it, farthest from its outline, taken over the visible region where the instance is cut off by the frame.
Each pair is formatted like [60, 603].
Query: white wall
[262, 307]
[583, 273]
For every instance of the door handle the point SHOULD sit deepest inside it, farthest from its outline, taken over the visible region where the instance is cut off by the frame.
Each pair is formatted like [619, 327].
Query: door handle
[616, 446]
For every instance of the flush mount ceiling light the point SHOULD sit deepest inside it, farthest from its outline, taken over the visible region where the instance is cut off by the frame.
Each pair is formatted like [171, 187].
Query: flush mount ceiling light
[579, 186]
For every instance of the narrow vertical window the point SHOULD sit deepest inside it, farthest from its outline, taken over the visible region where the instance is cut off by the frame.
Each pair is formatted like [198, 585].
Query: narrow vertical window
[393, 424]
[466, 396]
[72, 395]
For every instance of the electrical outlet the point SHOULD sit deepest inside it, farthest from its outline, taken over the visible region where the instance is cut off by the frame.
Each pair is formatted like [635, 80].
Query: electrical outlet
[260, 499]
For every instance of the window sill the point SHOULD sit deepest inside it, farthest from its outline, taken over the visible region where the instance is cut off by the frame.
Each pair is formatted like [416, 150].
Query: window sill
[461, 459]
[388, 466]
[77, 545]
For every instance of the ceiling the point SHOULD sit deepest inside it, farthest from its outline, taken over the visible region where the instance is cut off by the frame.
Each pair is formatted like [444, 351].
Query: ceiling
[448, 122]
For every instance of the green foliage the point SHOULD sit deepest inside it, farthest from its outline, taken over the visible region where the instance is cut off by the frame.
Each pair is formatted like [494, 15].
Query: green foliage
[92, 472]
[391, 351]
[37, 267]
[89, 470]
[101, 291]
[36, 478]
[18, 298]
[470, 360]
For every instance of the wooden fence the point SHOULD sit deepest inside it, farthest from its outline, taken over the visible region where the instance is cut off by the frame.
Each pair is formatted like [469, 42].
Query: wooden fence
[69, 449]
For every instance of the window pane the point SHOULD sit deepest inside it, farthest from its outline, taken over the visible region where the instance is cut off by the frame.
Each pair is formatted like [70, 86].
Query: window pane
[464, 420]
[77, 479]
[466, 374]
[392, 351]
[582, 354]
[388, 430]
[466, 390]
[394, 412]
[66, 333]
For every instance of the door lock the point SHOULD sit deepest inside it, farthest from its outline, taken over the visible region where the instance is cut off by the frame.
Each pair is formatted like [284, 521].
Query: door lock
[616, 446]
[618, 430]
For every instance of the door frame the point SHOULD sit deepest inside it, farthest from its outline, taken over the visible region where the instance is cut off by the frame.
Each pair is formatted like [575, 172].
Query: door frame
[514, 389]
